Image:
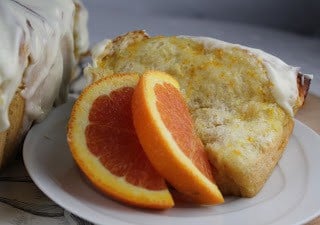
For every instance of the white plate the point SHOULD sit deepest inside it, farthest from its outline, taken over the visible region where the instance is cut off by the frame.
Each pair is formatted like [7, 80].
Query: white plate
[291, 195]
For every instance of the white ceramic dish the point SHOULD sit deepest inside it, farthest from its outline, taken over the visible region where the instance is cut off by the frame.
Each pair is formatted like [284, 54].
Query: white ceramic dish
[291, 195]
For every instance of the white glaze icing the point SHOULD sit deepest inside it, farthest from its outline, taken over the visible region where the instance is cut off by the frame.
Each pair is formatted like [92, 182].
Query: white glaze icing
[38, 39]
[282, 76]
[98, 50]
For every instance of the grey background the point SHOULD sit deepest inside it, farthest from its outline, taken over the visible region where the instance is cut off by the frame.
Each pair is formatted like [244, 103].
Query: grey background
[301, 16]
[289, 29]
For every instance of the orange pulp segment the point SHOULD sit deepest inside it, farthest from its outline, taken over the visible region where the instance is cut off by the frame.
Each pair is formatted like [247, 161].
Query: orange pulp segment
[166, 133]
[104, 144]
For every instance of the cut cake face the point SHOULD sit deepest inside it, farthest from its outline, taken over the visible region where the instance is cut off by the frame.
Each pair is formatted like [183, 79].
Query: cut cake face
[242, 100]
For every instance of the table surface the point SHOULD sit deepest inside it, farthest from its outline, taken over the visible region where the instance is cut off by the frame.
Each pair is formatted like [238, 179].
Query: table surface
[310, 115]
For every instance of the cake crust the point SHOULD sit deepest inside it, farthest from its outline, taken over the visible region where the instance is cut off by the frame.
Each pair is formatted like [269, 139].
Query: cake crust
[10, 139]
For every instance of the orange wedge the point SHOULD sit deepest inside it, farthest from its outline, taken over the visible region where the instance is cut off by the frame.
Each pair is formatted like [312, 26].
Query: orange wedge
[104, 144]
[166, 133]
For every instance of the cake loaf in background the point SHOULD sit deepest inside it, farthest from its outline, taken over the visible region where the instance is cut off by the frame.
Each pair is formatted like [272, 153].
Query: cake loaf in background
[41, 43]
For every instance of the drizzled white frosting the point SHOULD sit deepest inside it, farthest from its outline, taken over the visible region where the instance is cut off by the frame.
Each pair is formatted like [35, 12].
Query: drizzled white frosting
[98, 50]
[283, 77]
[37, 44]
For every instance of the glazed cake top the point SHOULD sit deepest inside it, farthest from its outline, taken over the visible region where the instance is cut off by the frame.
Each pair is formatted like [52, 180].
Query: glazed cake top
[40, 44]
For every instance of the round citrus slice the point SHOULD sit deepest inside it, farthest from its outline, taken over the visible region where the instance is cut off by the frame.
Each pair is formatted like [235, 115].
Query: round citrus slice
[104, 144]
[166, 133]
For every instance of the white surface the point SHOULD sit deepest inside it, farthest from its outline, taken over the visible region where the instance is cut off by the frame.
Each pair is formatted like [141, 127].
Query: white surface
[291, 195]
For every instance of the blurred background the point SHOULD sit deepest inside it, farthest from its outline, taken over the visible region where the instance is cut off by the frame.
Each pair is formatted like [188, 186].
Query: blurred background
[289, 29]
[301, 16]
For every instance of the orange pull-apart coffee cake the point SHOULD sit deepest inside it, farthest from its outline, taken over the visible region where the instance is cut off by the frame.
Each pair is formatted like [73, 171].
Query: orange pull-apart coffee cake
[41, 42]
[242, 100]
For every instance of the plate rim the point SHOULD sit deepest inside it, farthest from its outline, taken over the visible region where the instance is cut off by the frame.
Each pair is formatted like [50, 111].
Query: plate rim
[114, 220]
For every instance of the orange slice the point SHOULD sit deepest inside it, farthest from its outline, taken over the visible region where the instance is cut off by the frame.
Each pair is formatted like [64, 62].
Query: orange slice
[166, 133]
[104, 144]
